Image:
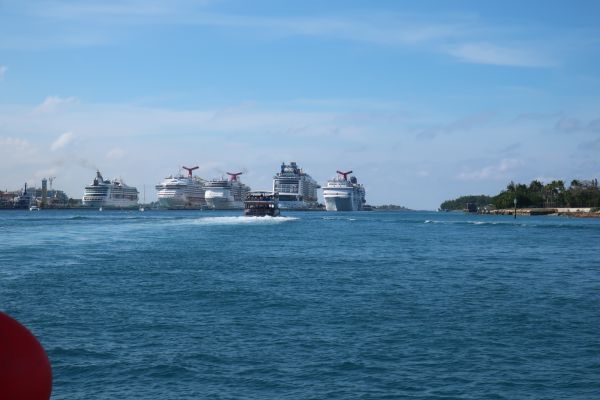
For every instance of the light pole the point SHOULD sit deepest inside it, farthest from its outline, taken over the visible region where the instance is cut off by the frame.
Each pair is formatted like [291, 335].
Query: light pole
[515, 201]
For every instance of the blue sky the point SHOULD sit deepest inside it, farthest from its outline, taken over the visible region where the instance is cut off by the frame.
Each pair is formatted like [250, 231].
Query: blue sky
[424, 100]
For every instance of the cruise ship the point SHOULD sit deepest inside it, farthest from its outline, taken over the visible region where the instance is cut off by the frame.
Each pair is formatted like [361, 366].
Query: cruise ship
[109, 194]
[341, 194]
[181, 192]
[226, 194]
[297, 190]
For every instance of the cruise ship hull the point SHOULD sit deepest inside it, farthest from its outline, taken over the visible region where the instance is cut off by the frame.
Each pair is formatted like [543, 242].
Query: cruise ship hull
[297, 205]
[109, 194]
[338, 203]
[179, 203]
[296, 189]
[223, 195]
[112, 203]
[343, 194]
[223, 203]
[221, 199]
[181, 193]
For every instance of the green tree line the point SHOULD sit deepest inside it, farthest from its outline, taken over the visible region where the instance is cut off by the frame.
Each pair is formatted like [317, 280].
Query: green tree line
[461, 202]
[580, 193]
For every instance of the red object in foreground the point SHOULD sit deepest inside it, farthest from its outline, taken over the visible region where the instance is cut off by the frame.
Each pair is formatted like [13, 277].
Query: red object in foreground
[25, 372]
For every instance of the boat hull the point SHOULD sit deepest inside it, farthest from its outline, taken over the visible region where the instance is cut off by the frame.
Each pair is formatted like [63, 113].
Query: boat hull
[223, 203]
[114, 204]
[337, 203]
[180, 203]
[267, 212]
[297, 205]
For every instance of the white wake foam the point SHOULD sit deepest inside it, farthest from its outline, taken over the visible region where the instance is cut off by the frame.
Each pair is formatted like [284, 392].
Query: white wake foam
[241, 220]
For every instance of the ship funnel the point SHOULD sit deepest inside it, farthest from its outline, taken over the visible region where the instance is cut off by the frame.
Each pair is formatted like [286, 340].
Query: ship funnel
[189, 170]
[234, 175]
[344, 174]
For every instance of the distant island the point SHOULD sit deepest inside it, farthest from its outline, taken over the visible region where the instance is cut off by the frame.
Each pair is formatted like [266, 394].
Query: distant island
[460, 203]
[553, 195]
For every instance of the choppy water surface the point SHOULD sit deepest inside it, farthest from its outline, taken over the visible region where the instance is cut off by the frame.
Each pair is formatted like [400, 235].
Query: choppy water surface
[186, 305]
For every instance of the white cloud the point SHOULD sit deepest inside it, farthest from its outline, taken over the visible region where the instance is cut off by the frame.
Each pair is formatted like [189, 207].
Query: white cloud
[15, 143]
[497, 171]
[62, 141]
[16, 155]
[593, 145]
[54, 103]
[465, 124]
[110, 9]
[115, 153]
[487, 53]
[3, 70]
[568, 124]
[431, 34]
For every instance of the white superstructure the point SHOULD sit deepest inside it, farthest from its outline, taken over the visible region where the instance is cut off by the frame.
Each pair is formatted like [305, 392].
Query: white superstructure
[109, 194]
[341, 194]
[226, 194]
[297, 190]
[179, 192]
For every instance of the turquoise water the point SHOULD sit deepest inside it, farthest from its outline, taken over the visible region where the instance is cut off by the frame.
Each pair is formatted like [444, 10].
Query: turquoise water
[187, 305]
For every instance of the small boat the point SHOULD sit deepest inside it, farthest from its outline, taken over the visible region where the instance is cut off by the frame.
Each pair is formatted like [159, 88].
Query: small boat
[261, 204]
[34, 208]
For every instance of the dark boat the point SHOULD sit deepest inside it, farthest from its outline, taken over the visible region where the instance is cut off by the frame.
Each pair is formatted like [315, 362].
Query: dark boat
[261, 204]
[24, 200]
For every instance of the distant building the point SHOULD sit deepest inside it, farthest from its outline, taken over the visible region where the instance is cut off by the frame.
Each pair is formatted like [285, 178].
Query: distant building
[54, 198]
[7, 199]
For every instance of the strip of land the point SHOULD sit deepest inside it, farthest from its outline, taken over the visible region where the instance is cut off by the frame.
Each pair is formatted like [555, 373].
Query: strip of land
[577, 212]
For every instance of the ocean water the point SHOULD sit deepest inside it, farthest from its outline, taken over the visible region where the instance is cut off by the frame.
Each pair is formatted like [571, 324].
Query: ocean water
[372, 305]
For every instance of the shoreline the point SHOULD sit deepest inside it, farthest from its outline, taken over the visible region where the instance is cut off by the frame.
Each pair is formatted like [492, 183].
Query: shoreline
[574, 212]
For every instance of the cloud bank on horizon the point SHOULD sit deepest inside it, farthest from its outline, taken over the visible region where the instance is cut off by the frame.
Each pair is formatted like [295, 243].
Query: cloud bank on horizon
[424, 103]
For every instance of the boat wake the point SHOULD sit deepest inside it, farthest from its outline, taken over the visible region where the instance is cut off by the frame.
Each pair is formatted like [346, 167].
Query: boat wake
[522, 223]
[429, 221]
[243, 220]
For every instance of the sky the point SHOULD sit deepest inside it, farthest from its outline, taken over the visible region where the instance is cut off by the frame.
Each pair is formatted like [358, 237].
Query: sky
[424, 100]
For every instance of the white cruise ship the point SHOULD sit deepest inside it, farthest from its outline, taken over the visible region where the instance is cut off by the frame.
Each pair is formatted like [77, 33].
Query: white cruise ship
[181, 192]
[226, 194]
[109, 194]
[341, 194]
[297, 190]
